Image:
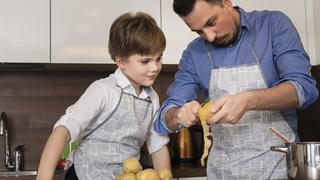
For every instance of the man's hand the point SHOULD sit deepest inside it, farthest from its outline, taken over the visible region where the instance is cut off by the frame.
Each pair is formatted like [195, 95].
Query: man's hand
[229, 108]
[186, 115]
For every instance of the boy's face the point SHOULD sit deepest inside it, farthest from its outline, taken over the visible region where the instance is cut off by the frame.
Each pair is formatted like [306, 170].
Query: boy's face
[141, 70]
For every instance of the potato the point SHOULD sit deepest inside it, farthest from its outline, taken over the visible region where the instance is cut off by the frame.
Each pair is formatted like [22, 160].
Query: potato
[148, 174]
[129, 176]
[131, 165]
[205, 112]
[165, 174]
[204, 115]
[119, 177]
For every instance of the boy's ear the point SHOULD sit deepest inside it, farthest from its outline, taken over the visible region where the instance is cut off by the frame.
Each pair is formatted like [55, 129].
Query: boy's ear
[120, 62]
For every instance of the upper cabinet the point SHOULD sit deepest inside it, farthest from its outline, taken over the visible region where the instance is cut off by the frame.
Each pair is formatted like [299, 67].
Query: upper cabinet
[177, 33]
[80, 28]
[24, 31]
[76, 31]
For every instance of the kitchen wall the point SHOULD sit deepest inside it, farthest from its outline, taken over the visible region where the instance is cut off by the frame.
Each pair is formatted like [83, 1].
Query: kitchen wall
[317, 30]
[35, 98]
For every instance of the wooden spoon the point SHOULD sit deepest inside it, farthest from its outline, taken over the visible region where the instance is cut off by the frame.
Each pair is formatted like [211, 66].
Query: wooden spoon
[281, 136]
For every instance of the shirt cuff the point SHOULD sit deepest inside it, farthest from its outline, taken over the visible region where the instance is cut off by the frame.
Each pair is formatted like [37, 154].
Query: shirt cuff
[300, 93]
[162, 119]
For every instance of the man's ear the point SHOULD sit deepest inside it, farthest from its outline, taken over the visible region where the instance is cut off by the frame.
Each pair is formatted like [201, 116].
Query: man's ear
[227, 3]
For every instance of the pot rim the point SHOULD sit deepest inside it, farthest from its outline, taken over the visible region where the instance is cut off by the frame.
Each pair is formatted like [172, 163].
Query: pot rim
[306, 142]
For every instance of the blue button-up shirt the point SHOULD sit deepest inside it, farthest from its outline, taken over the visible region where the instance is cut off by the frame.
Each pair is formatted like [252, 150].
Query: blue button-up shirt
[280, 54]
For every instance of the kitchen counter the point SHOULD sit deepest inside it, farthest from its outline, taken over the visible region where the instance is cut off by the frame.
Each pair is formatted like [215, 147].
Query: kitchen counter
[180, 170]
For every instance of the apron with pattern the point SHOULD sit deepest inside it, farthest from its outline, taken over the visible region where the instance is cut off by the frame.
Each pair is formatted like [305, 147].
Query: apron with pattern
[241, 151]
[101, 153]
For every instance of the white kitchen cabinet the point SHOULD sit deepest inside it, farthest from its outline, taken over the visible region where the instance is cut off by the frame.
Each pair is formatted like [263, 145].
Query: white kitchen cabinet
[177, 33]
[24, 31]
[80, 28]
[301, 12]
[313, 26]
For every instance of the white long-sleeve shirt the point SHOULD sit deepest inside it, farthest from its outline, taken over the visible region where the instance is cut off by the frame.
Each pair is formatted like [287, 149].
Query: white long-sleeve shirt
[99, 101]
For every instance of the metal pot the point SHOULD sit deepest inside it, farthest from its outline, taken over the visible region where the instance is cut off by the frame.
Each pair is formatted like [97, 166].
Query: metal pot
[303, 159]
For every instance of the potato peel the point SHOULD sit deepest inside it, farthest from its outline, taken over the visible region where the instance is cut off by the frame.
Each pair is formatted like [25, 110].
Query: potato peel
[204, 115]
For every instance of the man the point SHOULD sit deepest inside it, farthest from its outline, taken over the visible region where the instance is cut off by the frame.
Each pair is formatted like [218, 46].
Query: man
[254, 67]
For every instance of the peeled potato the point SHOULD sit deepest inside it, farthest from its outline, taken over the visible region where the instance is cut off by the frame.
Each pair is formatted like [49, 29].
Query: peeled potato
[204, 115]
[205, 112]
[131, 165]
[165, 174]
[128, 176]
[148, 174]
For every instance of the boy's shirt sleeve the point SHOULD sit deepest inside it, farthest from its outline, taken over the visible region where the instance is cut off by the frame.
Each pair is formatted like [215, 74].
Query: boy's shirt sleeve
[155, 141]
[82, 116]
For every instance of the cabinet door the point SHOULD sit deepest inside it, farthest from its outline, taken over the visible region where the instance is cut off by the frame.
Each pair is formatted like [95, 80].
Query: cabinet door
[24, 31]
[80, 28]
[296, 10]
[177, 33]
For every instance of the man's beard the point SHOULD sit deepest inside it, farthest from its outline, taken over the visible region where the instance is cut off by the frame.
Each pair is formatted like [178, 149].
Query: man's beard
[222, 42]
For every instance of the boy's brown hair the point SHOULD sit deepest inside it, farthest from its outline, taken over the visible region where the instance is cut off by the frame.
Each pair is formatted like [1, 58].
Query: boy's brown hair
[135, 34]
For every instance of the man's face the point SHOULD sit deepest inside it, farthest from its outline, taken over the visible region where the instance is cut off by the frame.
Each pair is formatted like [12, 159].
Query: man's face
[215, 23]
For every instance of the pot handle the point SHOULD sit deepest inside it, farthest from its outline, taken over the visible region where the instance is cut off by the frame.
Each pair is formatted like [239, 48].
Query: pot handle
[279, 149]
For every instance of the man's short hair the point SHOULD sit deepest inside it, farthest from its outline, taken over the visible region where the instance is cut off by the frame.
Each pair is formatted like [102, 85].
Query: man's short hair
[184, 7]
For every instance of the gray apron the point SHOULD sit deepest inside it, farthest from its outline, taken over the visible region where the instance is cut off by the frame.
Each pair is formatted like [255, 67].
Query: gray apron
[242, 151]
[101, 153]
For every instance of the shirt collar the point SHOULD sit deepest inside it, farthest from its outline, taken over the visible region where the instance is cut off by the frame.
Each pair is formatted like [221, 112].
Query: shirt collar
[244, 19]
[125, 84]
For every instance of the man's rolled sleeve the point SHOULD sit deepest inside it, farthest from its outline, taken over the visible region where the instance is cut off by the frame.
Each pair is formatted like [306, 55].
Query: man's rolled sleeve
[160, 123]
[292, 61]
[299, 91]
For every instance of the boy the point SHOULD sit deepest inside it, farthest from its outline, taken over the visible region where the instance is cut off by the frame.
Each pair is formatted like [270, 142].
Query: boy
[114, 116]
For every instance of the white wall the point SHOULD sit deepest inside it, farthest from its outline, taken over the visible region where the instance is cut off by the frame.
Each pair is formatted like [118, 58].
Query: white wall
[316, 7]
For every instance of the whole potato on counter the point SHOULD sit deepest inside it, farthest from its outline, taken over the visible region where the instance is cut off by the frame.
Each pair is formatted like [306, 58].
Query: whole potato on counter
[165, 174]
[148, 174]
[119, 177]
[128, 176]
[133, 171]
[131, 165]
